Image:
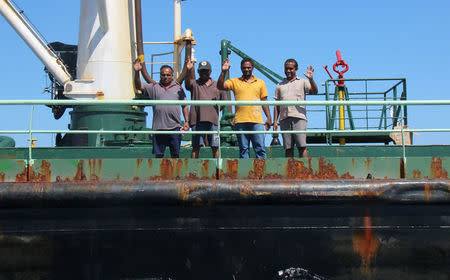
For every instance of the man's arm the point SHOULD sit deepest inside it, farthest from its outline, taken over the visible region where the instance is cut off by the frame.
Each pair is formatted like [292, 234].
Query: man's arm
[276, 110]
[267, 113]
[137, 77]
[186, 116]
[221, 82]
[190, 75]
[276, 113]
[309, 75]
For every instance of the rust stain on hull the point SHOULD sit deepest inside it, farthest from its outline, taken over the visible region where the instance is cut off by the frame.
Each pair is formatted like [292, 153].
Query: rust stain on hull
[138, 166]
[417, 174]
[205, 169]
[366, 244]
[436, 170]
[44, 174]
[95, 169]
[427, 190]
[259, 168]
[246, 190]
[79, 175]
[296, 169]
[367, 163]
[23, 176]
[185, 192]
[231, 171]
[169, 169]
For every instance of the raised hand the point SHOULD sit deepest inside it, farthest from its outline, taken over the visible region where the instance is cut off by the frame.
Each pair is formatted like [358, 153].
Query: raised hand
[189, 64]
[226, 65]
[137, 65]
[309, 73]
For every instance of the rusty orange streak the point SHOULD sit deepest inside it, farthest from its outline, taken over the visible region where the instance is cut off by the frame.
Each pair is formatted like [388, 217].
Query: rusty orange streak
[366, 244]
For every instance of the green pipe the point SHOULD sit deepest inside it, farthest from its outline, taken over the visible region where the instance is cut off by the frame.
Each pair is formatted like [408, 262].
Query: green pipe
[268, 76]
[394, 86]
[333, 110]
[383, 112]
[405, 108]
[257, 64]
[30, 135]
[349, 111]
[396, 108]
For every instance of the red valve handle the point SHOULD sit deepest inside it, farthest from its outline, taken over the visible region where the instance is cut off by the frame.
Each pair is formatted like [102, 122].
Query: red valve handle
[341, 63]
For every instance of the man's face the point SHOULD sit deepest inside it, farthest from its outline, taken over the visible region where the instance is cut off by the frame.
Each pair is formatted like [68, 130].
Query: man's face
[290, 70]
[166, 76]
[247, 69]
[205, 74]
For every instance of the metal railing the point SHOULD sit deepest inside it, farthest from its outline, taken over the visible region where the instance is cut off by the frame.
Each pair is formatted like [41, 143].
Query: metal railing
[327, 104]
[390, 94]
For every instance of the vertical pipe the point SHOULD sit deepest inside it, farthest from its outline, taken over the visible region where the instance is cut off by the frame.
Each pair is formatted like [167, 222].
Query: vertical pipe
[327, 113]
[385, 115]
[176, 37]
[140, 43]
[367, 108]
[224, 55]
[403, 148]
[405, 108]
[396, 109]
[219, 157]
[224, 44]
[341, 115]
[30, 134]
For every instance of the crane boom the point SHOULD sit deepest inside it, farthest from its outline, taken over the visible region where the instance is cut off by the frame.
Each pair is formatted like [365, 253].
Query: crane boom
[35, 42]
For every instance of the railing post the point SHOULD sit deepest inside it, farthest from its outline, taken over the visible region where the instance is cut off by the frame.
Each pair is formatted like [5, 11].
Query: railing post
[403, 147]
[327, 113]
[30, 134]
[404, 97]
[219, 157]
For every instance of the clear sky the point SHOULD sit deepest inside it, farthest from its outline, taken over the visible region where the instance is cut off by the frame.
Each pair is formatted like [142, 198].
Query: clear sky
[378, 39]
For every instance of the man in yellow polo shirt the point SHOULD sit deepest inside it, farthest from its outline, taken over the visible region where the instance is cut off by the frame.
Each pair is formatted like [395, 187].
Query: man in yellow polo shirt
[247, 118]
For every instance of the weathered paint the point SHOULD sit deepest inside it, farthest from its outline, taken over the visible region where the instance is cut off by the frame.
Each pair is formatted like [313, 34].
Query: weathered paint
[436, 169]
[139, 169]
[259, 169]
[23, 176]
[79, 174]
[366, 244]
[231, 170]
[427, 190]
[95, 169]
[427, 167]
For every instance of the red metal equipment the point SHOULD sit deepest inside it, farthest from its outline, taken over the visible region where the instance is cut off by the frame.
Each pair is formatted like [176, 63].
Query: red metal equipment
[338, 63]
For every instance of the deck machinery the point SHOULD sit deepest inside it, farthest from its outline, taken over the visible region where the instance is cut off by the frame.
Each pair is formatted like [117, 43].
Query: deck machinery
[99, 206]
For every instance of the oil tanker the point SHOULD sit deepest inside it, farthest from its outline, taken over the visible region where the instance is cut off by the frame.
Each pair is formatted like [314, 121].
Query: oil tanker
[366, 204]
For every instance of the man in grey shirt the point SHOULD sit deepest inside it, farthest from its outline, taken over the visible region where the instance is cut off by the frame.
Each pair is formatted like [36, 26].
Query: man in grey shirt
[203, 118]
[165, 117]
[293, 117]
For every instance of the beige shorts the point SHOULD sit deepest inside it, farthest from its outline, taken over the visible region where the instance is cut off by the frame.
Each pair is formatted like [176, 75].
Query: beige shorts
[290, 139]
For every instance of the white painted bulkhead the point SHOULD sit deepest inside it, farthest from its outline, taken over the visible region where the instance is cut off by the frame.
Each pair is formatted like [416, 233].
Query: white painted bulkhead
[105, 51]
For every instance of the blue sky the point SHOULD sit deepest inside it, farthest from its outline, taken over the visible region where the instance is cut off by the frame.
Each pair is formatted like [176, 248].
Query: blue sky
[378, 39]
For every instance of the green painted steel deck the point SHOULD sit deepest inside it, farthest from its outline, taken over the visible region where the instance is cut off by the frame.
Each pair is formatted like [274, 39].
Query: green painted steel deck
[138, 163]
